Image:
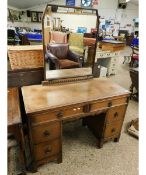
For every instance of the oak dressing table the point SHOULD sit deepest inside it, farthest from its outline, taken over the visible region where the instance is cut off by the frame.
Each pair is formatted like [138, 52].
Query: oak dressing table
[47, 106]
[69, 95]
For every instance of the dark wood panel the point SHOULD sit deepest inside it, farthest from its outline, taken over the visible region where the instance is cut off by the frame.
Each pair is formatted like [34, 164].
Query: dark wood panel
[25, 77]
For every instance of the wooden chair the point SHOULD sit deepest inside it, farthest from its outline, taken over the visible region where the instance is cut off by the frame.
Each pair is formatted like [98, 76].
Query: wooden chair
[134, 75]
[134, 57]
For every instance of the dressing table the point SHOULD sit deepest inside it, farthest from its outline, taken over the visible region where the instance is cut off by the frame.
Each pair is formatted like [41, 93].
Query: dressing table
[69, 95]
[47, 106]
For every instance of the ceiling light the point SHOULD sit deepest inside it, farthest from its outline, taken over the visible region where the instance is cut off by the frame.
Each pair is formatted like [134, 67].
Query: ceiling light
[127, 0]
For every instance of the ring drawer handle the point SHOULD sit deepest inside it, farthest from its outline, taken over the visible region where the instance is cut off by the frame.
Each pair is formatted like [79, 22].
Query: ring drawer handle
[116, 114]
[113, 130]
[59, 114]
[109, 104]
[46, 133]
[48, 150]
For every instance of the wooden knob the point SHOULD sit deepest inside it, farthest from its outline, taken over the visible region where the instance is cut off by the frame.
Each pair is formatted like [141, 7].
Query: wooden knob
[116, 114]
[113, 130]
[48, 150]
[59, 114]
[109, 104]
[46, 133]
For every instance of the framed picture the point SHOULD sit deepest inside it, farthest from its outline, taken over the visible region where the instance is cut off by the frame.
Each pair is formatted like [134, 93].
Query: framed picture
[86, 3]
[40, 16]
[34, 17]
[70, 2]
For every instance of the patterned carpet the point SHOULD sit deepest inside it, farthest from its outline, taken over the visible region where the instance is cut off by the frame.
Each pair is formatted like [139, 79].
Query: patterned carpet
[80, 154]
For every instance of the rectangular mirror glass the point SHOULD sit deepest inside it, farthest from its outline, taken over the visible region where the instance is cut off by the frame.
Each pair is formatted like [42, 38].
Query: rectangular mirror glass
[69, 41]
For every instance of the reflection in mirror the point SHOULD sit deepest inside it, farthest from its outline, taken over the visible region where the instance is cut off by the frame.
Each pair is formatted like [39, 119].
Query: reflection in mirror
[69, 39]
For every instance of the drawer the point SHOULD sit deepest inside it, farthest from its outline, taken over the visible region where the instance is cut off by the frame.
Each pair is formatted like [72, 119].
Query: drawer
[108, 103]
[46, 132]
[47, 149]
[109, 54]
[56, 115]
[112, 65]
[116, 53]
[101, 55]
[99, 105]
[113, 59]
[113, 128]
[112, 71]
[116, 113]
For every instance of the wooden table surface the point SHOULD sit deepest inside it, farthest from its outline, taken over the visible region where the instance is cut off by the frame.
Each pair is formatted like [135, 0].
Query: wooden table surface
[37, 97]
[14, 116]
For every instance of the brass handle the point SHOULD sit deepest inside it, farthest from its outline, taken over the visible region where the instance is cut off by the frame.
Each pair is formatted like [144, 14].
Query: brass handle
[59, 114]
[113, 130]
[109, 104]
[48, 150]
[46, 133]
[116, 114]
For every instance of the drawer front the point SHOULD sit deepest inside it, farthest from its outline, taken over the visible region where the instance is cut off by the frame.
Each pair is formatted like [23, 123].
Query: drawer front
[56, 115]
[112, 65]
[116, 113]
[99, 105]
[101, 55]
[113, 128]
[116, 54]
[108, 103]
[114, 60]
[46, 132]
[109, 54]
[112, 71]
[46, 149]
[43, 117]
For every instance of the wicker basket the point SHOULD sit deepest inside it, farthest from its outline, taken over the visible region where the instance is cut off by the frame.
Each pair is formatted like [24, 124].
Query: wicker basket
[22, 57]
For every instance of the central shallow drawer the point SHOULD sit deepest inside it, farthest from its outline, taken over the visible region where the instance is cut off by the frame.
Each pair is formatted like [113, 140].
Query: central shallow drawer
[47, 149]
[46, 132]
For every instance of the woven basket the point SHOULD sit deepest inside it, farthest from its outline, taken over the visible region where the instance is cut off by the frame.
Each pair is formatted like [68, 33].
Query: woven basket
[25, 57]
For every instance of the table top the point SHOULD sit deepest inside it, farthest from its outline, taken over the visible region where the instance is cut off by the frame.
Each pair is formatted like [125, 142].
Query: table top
[14, 116]
[38, 98]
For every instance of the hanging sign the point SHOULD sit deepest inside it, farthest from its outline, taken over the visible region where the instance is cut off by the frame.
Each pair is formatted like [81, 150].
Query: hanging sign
[70, 2]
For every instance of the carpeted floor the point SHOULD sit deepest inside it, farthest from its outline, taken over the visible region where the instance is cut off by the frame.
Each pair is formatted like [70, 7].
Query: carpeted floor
[80, 154]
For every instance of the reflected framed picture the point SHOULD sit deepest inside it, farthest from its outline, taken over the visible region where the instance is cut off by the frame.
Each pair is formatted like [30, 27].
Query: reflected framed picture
[70, 2]
[34, 17]
[40, 16]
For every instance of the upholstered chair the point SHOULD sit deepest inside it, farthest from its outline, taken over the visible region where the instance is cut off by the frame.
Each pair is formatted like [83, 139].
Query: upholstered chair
[60, 56]
[76, 43]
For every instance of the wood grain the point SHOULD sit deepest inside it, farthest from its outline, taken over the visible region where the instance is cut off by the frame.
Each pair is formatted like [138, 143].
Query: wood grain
[38, 97]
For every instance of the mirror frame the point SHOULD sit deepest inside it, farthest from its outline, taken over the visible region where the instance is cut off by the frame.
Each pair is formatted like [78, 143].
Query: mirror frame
[43, 27]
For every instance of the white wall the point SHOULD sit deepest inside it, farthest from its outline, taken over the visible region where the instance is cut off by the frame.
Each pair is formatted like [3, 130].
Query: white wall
[74, 21]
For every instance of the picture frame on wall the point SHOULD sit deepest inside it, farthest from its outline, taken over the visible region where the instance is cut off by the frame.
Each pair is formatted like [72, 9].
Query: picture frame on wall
[34, 17]
[70, 2]
[40, 16]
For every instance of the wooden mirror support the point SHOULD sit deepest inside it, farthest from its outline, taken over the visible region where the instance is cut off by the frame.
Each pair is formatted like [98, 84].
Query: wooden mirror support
[68, 75]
